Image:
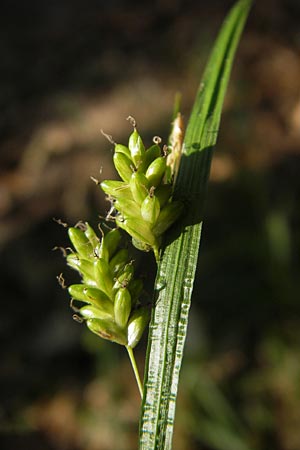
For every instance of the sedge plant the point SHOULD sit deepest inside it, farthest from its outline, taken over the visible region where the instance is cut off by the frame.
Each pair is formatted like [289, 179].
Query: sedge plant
[158, 201]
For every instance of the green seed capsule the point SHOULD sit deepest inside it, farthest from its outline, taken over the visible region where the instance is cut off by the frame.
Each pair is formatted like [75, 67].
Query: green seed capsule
[107, 330]
[156, 171]
[120, 148]
[122, 307]
[102, 251]
[136, 147]
[97, 298]
[119, 261]
[111, 241]
[136, 326]
[128, 208]
[116, 189]
[91, 235]
[103, 276]
[151, 154]
[138, 229]
[123, 166]
[93, 312]
[163, 193]
[168, 215]
[139, 187]
[150, 209]
[90, 295]
[81, 265]
[80, 242]
[78, 292]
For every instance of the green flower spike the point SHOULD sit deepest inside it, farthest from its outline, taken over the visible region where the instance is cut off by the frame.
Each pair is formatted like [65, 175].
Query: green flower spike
[109, 291]
[143, 199]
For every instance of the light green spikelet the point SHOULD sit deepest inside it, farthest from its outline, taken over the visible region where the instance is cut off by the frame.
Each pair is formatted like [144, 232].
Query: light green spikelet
[120, 148]
[103, 276]
[156, 171]
[111, 241]
[122, 306]
[139, 186]
[150, 209]
[87, 294]
[116, 189]
[91, 235]
[84, 266]
[107, 329]
[81, 242]
[78, 292]
[138, 229]
[128, 208]
[105, 311]
[150, 155]
[136, 326]
[123, 166]
[136, 147]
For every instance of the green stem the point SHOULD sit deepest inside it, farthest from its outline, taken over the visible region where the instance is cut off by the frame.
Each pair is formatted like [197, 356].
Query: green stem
[135, 369]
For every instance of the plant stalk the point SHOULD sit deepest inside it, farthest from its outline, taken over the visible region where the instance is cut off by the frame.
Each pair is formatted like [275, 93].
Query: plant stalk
[135, 369]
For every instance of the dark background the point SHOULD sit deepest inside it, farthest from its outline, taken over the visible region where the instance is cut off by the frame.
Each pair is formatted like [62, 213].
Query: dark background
[68, 70]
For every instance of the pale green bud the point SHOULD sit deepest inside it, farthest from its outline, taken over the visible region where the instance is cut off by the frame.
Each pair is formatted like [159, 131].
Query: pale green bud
[128, 208]
[150, 209]
[156, 171]
[91, 235]
[122, 306]
[168, 215]
[139, 185]
[80, 242]
[106, 311]
[120, 148]
[123, 165]
[151, 154]
[136, 326]
[97, 297]
[107, 330]
[78, 292]
[138, 229]
[103, 276]
[111, 240]
[136, 147]
[102, 251]
[83, 266]
[117, 189]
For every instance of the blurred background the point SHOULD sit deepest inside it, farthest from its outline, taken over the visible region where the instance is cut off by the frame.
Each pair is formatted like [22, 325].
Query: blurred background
[72, 68]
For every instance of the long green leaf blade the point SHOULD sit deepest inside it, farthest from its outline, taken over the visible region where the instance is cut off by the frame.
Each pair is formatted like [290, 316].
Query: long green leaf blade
[176, 271]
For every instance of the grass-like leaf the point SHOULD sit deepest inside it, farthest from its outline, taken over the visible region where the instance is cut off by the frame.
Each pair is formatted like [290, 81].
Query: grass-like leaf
[176, 271]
